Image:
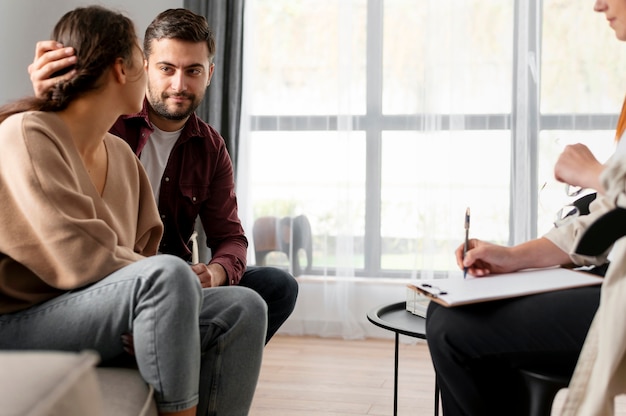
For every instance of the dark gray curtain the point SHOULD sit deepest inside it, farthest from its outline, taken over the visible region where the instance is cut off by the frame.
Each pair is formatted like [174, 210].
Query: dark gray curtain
[221, 107]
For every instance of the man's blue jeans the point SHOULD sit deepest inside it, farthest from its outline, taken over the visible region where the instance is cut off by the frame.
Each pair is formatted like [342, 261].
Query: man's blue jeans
[192, 345]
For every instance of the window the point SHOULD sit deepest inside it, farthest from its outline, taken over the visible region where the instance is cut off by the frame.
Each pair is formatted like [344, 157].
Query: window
[582, 90]
[383, 120]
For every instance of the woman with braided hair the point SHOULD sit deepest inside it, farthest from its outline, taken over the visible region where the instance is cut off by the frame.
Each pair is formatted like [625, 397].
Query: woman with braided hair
[79, 230]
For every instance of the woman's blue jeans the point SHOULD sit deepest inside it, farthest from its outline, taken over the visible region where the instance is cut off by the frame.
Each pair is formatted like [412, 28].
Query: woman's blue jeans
[193, 345]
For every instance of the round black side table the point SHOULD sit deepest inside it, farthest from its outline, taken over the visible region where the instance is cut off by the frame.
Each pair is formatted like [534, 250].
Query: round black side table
[394, 317]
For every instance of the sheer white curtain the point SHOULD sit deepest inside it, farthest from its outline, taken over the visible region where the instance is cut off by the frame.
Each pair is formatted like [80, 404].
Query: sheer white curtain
[305, 74]
[381, 121]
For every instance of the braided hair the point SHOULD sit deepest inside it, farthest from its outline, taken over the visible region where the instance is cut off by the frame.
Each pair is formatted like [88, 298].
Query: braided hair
[99, 36]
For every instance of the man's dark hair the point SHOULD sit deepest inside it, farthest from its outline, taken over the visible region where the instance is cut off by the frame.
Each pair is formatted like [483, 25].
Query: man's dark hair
[179, 24]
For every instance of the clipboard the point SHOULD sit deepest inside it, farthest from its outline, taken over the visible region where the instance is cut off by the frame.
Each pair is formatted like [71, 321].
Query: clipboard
[456, 292]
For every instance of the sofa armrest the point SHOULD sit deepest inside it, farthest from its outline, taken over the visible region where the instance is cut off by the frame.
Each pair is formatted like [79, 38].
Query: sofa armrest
[43, 383]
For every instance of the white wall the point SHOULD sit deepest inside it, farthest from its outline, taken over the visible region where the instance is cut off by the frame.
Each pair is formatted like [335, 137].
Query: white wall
[24, 22]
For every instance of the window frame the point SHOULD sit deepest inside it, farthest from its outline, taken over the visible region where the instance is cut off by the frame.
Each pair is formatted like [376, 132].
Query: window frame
[525, 121]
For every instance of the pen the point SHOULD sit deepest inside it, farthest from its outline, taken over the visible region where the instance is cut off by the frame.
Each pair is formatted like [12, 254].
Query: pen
[465, 246]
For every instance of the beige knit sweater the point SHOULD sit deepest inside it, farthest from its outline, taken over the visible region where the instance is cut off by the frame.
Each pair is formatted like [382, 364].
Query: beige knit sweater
[57, 232]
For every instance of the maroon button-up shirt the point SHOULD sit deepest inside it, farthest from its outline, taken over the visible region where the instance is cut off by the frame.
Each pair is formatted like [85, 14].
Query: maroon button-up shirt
[198, 180]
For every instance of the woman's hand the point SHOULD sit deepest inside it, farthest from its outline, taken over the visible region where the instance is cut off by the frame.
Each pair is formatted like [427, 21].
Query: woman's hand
[577, 166]
[483, 259]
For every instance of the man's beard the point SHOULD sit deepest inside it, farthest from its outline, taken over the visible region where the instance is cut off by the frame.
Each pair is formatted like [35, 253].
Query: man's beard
[161, 109]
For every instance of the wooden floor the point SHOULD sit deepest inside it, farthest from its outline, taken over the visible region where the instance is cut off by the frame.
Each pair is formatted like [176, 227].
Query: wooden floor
[308, 376]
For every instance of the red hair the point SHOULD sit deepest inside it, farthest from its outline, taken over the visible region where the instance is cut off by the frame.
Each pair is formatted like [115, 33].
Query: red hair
[621, 123]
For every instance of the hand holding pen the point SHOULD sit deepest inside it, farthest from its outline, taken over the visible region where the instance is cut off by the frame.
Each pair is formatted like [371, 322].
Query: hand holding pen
[485, 259]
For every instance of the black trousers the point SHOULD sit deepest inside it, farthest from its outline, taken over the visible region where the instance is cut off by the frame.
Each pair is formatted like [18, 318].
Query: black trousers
[279, 290]
[476, 349]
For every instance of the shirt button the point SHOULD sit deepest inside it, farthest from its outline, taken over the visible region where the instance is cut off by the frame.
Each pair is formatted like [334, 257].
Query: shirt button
[232, 282]
[193, 198]
[167, 179]
[162, 216]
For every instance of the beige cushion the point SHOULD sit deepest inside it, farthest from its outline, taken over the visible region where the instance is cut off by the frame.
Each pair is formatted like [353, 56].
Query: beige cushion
[124, 393]
[42, 383]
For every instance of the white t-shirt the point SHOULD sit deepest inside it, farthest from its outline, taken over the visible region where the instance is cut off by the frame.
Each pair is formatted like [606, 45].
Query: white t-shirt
[155, 155]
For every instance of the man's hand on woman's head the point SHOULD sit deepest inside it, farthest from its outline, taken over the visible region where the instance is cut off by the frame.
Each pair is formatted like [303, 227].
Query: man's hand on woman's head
[50, 57]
